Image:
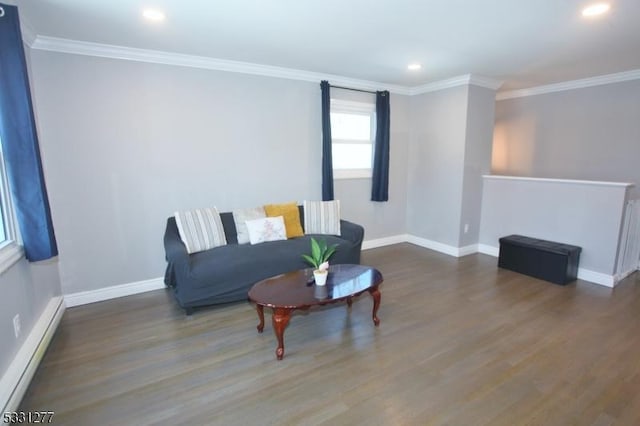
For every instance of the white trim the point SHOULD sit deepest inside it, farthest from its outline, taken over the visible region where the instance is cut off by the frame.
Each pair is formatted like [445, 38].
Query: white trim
[9, 255]
[386, 241]
[486, 82]
[106, 293]
[489, 250]
[55, 44]
[352, 174]
[583, 274]
[622, 276]
[572, 181]
[16, 379]
[422, 242]
[462, 80]
[353, 106]
[467, 250]
[570, 85]
[62, 45]
[28, 35]
[433, 245]
[441, 247]
[596, 277]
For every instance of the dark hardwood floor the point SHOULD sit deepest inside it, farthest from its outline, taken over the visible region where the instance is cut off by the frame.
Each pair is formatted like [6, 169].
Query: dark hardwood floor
[460, 343]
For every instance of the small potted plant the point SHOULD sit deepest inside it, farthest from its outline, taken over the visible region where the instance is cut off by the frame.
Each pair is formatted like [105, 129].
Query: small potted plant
[319, 259]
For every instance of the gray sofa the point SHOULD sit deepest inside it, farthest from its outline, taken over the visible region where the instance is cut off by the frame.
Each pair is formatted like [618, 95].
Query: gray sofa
[225, 274]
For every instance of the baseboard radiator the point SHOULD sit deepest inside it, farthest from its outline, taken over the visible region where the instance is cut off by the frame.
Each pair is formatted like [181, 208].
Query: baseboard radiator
[629, 254]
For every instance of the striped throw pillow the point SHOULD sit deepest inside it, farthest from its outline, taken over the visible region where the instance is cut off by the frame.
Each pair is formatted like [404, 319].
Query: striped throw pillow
[322, 217]
[200, 229]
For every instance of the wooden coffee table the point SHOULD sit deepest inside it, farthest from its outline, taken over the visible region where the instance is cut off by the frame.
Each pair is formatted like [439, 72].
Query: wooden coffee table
[287, 292]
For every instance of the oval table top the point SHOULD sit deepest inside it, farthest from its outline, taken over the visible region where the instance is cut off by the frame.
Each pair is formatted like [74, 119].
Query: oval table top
[293, 289]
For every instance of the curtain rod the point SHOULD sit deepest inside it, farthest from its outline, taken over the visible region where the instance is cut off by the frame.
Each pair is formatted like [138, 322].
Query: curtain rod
[349, 88]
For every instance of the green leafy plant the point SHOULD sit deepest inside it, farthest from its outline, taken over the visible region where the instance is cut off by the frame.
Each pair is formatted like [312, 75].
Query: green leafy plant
[320, 254]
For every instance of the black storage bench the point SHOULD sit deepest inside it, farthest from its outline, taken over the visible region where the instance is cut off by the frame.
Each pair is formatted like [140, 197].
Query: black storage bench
[547, 260]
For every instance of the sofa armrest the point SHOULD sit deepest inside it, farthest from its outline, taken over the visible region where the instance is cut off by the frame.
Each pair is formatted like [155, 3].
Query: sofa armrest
[175, 253]
[174, 248]
[352, 232]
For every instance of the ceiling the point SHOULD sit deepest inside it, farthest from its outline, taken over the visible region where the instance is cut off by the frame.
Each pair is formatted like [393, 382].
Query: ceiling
[522, 43]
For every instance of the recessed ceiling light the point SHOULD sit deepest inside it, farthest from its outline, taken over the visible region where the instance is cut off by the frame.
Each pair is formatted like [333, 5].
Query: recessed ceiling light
[414, 67]
[153, 15]
[595, 9]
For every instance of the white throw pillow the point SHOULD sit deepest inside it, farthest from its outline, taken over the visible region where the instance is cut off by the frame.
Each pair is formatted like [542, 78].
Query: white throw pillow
[322, 217]
[241, 216]
[266, 229]
[200, 229]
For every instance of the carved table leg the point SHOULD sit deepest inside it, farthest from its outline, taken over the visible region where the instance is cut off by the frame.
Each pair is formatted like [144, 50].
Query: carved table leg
[260, 310]
[375, 293]
[280, 320]
[349, 301]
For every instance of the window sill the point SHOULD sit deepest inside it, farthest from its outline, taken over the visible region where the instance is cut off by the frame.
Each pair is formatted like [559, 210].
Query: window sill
[352, 174]
[10, 253]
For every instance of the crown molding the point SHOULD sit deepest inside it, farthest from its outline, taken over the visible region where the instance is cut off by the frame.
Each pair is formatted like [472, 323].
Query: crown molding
[570, 85]
[440, 85]
[55, 44]
[28, 36]
[486, 82]
[462, 80]
[76, 47]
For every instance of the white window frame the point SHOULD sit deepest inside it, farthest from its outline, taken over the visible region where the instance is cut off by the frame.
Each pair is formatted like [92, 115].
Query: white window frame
[364, 108]
[11, 250]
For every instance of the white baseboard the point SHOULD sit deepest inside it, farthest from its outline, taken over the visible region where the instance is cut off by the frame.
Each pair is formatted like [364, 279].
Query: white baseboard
[467, 250]
[433, 245]
[622, 276]
[16, 379]
[583, 274]
[442, 248]
[386, 241]
[596, 277]
[489, 250]
[422, 242]
[106, 293]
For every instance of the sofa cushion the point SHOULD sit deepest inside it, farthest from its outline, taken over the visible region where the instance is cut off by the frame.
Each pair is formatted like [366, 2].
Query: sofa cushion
[200, 229]
[240, 216]
[291, 215]
[322, 217]
[266, 229]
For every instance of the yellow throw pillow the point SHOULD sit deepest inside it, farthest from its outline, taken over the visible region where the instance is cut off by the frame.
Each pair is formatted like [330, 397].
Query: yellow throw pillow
[291, 215]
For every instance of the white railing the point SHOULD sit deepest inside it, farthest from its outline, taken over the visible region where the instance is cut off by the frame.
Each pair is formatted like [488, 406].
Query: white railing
[629, 254]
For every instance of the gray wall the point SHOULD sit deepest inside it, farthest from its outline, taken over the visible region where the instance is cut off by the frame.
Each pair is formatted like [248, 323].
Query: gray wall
[477, 160]
[450, 149]
[26, 290]
[125, 144]
[591, 133]
[436, 161]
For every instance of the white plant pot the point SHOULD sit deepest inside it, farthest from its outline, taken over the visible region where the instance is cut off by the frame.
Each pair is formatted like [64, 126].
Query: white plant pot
[320, 277]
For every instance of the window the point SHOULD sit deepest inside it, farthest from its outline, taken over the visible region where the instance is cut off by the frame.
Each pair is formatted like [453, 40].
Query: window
[10, 251]
[352, 133]
[5, 232]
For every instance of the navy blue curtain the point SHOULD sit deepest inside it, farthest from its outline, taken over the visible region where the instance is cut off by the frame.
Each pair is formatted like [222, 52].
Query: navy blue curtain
[380, 178]
[20, 143]
[327, 159]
